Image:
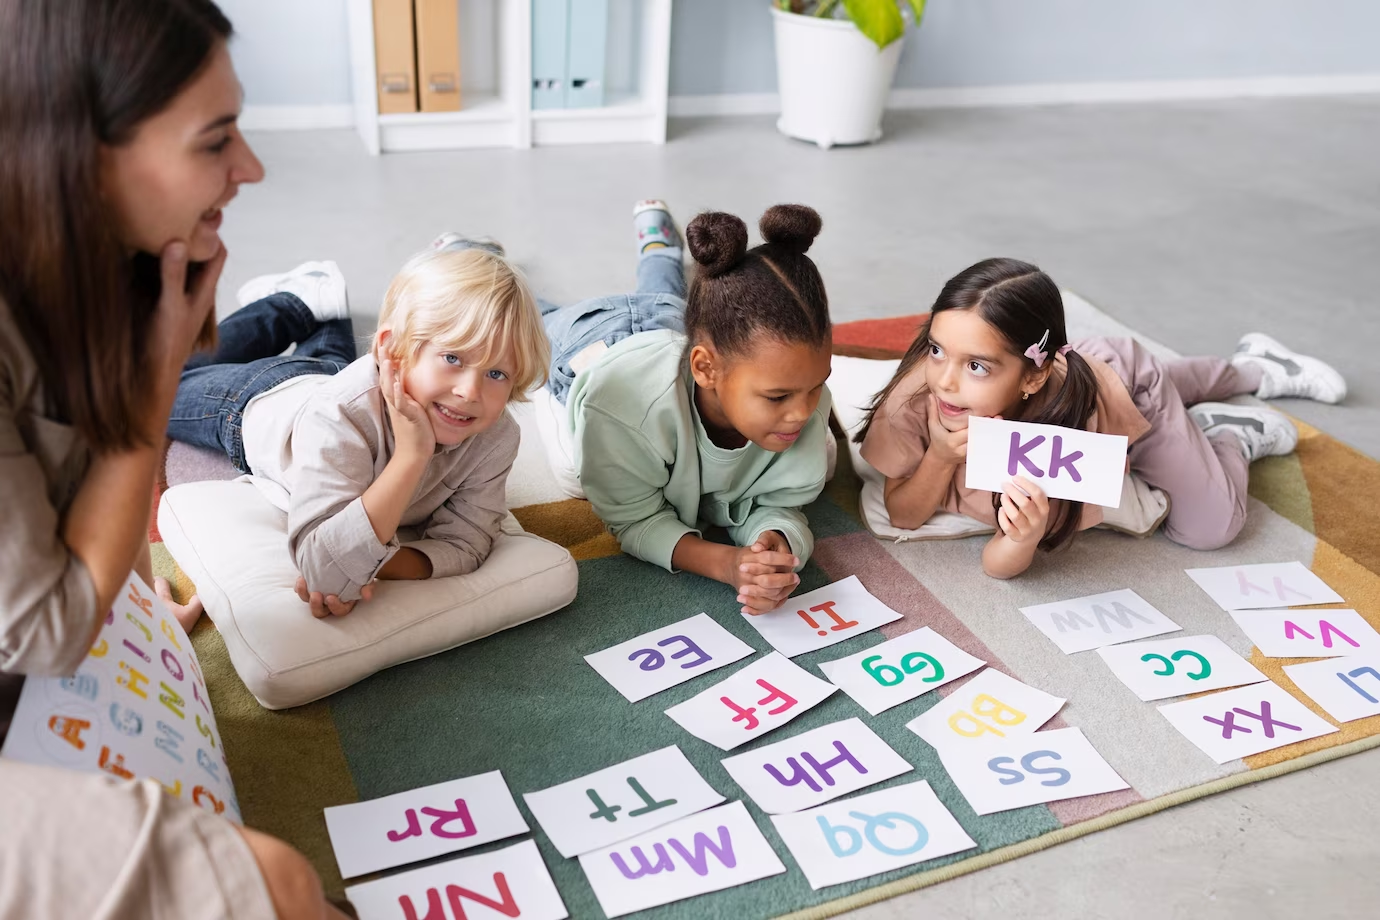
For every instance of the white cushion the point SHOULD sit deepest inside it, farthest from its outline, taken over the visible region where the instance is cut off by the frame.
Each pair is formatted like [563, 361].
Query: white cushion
[233, 545]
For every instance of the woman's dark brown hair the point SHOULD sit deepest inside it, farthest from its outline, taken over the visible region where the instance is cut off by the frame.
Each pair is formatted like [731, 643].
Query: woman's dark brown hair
[76, 75]
[1021, 303]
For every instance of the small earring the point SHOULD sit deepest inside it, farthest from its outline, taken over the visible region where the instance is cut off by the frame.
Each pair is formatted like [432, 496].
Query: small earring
[1025, 396]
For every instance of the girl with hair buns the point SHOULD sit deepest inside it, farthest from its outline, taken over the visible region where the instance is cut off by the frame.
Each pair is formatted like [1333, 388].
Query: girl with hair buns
[706, 407]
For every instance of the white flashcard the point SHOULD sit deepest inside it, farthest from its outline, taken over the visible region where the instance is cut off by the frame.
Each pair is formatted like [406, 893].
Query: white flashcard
[621, 801]
[1347, 688]
[1069, 463]
[1245, 721]
[900, 669]
[1273, 584]
[814, 767]
[1099, 619]
[422, 823]
[821, 617]
[1030, 770]
[671, 655]
[862, 836]
[1308, 633]
[991, 705]
[511, 882]
[761, 697]
[1175, 667]
[713, 850]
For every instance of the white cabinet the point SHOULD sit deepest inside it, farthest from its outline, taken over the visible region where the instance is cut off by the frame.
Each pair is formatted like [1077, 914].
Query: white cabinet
[496, 83]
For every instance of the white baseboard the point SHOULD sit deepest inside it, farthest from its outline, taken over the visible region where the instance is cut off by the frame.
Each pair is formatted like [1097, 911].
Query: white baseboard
[1058, 94]
[296, 117]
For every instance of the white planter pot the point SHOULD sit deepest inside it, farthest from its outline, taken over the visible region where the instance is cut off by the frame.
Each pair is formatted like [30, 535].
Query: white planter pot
[833, 80]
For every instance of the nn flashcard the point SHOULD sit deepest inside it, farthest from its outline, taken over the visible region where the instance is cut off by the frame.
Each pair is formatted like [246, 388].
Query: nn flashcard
[1031, 769]
[1256, 587]
[900, 669]
[1163, 668]
[757, 699]
[1099, 619]
[1068, 463]
[1346, 688]
[671, 655]
[821, 617]
[991, 705]
[1308, 633]
[1245, 721]
[621, 801]
[867, 834]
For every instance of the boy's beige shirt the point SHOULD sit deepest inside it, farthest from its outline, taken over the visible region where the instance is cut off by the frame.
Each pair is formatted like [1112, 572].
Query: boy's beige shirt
[315, 443]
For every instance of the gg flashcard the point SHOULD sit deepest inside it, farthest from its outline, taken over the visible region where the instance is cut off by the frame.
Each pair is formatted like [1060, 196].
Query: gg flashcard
[900, 669]
[991, 705]
[1245, 721]
[621, 801]
[512, 882]
[710, 851]
[757, 699]
[822, 617]
[1308, 633]
[1174, 667]
[867, 834]
[1081, 466]
[671, 655]
[1099, 619]
[1031, 769]
[421, 823]
[1347, 688]
[1273, 584]
[814, 767]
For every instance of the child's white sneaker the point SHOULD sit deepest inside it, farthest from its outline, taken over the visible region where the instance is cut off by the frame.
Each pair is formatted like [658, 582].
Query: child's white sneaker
[319, 285]
[1263, 432]
[1288, 373]
[655, 227]
[452, 240]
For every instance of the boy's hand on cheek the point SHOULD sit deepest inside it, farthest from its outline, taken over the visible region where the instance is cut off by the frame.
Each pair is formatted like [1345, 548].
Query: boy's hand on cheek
[766, 573]
[411, 427]
[329, 605]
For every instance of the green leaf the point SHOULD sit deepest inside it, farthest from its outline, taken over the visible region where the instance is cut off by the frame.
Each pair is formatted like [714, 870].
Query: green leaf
[918, 8]
[879, 20]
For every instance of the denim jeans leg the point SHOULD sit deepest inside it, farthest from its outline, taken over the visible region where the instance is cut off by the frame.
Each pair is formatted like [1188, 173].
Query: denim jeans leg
[332, 341]
[661, 271]
[259, 330]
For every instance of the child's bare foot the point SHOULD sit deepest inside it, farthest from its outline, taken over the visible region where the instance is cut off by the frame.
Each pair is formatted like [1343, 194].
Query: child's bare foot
[185, 614]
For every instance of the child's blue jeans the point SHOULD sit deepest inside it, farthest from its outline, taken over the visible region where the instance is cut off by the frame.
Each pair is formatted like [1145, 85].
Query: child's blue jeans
[249, 360]
[658, 303]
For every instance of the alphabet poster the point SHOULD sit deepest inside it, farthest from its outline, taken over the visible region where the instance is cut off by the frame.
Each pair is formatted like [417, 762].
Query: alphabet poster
[822, 617]
[1029, 770]
[136, 708]
[1163, 668]
[1347, 688]
[671, 655]
[900, 669]
[421, 823]
[867, 834]
[1308, 633]
[1237, 723]
[1256, 587]
[1091, 622]
[709, 851]
[991, 705]
[511, 882]
[757, 699]
[621, 801]
[1065, 462]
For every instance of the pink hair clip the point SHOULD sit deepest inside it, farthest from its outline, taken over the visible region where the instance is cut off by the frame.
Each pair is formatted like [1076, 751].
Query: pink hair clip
[1037, 351]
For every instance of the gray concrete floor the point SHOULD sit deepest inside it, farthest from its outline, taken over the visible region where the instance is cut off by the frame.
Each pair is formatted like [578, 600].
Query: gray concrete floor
[1192, 222]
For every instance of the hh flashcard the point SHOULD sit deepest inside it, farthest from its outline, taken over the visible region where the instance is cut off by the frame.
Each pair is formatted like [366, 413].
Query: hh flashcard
[1274, 584]
[1237, 723]
[1308, 633]
[991, 705]
[136, 708]
[512, 882]
[1081, 466]
[1099, 619]
[900, 669]
[1174, 667]
[867, 834]
[421, 823]
[668, 656]
[709, 851]
[758, 698]
[822, 617]
[1031, 769]
[814, 767]
[621, 801]
[1347, 688]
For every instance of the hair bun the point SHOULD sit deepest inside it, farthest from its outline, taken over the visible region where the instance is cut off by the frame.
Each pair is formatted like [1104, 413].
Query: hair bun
[790, 226]
[718, 241]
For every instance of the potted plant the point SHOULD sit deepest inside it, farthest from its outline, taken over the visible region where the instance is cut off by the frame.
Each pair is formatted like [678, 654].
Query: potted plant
[835, 60]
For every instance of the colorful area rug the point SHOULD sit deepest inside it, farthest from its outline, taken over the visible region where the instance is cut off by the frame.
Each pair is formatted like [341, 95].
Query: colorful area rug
[525, 702]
